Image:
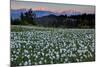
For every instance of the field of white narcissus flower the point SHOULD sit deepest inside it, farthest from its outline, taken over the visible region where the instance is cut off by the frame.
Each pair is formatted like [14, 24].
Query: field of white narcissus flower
[38, 45]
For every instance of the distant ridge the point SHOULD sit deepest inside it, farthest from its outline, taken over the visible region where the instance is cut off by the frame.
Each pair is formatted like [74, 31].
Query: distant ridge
[15, 13]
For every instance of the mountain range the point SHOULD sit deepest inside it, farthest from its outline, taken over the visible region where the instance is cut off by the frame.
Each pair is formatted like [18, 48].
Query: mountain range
[15, 14]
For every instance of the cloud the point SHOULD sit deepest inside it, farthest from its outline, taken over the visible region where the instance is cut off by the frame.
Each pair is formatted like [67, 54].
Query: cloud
[40, 8]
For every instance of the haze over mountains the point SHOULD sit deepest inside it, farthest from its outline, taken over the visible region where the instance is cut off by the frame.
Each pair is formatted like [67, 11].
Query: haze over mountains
[40, 13]
[64, 19]
[52, 14]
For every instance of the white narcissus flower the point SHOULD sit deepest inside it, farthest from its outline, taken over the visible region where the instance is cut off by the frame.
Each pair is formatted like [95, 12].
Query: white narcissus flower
[40, 62]
[26, 63]
[61, 44]
[66, 60]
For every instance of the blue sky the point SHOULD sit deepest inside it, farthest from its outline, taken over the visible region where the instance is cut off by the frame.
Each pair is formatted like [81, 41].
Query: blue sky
[52, 7]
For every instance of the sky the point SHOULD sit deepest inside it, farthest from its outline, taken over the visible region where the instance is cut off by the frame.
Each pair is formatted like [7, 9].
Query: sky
[52, 6]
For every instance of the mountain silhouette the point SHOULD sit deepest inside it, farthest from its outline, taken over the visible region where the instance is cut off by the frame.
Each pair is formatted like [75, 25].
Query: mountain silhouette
[15, 14]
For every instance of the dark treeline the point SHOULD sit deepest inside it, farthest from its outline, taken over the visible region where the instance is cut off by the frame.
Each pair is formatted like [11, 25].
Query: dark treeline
[64, 21]
[27, 18]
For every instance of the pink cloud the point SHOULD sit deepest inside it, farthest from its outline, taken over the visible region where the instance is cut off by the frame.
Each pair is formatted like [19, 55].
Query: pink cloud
[40, 8]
